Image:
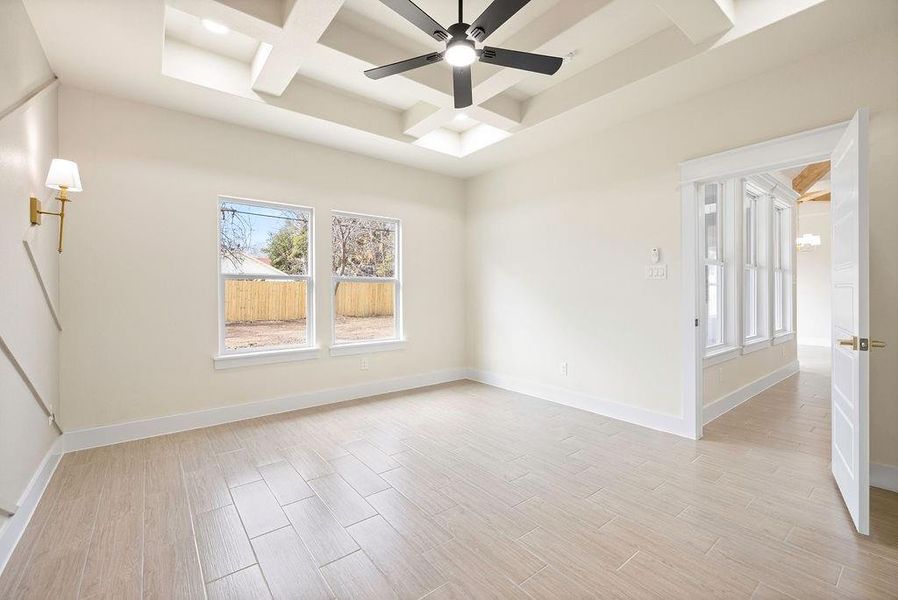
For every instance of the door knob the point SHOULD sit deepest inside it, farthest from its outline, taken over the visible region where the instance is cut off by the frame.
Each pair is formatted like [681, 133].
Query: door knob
[852, 341]
[877, 344]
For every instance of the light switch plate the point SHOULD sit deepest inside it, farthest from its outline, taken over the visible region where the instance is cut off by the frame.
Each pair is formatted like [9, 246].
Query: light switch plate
[656, 272]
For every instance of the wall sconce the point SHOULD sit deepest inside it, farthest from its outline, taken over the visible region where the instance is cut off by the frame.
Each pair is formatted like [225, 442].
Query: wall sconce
[808, 241]
[63, 176]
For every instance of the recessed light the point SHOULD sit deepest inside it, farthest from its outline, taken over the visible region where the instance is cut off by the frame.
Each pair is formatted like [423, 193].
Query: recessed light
[215, 27]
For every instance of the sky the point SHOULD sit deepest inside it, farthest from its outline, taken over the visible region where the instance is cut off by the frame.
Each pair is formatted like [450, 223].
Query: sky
[261, 223]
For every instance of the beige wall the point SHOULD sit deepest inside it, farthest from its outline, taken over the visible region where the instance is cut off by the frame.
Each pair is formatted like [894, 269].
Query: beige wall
[813, 270]
[727, 377]
[557, 243]
[29, 338]
[143, 233]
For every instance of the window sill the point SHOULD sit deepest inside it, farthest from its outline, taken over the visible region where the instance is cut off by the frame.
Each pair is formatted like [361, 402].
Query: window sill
[264, 357]
[782, 338]
[756, 345]
[366, 347]
[720, 356]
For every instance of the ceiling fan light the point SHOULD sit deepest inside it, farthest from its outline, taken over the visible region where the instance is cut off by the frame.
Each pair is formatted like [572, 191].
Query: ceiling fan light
[460, 54]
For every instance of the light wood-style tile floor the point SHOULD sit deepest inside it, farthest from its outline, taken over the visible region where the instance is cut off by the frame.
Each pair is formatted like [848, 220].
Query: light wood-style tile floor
[462, 491]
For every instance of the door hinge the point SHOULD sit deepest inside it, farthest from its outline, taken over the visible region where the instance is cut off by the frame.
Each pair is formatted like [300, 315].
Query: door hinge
[696, 322]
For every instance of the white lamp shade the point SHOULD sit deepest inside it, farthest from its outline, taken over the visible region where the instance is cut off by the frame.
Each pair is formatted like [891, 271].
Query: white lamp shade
[64, 174]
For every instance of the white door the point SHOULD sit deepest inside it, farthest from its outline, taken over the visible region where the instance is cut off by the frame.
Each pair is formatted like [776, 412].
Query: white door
[851, 321]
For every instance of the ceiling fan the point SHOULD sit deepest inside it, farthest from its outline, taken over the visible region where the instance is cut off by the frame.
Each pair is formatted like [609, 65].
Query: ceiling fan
[461, 51]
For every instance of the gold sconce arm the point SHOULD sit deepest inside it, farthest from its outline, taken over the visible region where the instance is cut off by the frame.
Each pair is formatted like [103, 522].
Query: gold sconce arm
[36, 212]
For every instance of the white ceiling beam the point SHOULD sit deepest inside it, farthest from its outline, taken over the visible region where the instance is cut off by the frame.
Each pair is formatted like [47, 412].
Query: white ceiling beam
[232, 18]
[303, 26]
[434, 83]
[700, 19]
[544, 35]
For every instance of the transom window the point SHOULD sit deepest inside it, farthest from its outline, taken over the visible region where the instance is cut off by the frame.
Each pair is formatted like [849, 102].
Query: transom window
[366, 278]
[265, 276]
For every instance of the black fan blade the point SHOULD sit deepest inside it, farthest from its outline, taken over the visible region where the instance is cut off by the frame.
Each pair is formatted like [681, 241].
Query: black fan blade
[417, 17]
[527, 61]
[494, 17]
[404, 65]
[461, 86]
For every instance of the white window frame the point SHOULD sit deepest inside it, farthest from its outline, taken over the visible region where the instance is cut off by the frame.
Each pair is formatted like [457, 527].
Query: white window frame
[783, 266]
[238, 357]
[758, 263]
[397, 342]
[726, 260]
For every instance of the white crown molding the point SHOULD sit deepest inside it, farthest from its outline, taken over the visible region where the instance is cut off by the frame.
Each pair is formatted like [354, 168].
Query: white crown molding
[747, 392]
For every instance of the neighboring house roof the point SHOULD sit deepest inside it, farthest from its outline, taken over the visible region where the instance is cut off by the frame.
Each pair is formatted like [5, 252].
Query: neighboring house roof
[247, 265]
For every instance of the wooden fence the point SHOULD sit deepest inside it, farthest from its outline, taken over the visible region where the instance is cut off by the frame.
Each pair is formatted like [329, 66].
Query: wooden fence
[248, 300]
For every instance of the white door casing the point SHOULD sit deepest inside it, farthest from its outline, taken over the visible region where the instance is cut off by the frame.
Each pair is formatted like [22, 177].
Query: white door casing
[851, 321]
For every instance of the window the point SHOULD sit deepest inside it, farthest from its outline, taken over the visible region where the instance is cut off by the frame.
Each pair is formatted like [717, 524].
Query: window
[782, 269]
[366, 276]
[754, 254]
[714, 267]
[718, 235]
[265, 273]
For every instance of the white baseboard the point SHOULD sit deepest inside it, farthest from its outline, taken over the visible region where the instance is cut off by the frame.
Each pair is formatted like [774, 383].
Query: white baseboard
[607, 408]
[813, 341]
[747, 392]
[884, 476]
[81, 439]
[15, 526]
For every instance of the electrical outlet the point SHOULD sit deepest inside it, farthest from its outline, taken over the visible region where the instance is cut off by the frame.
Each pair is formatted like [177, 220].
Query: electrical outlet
[563, 367]
[364, 364]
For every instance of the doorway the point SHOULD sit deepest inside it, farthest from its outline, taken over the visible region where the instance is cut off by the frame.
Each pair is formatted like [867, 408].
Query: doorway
[741, 225]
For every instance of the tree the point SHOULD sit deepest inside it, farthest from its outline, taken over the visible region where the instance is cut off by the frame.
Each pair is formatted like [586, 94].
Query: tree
[235, 232]
[288, 247]
[363, 247]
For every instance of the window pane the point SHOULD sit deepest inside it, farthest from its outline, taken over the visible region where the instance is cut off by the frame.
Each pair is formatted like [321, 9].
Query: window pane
[712, 221]
[779, 301]
[750, 245]
[750, 303]
[262, 313]
[263, 240]
[363, 247]
[777, 238]
[364, 312]
[714, 306]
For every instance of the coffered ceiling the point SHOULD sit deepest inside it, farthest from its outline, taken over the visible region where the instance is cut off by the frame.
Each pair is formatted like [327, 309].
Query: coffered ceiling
[295, 67]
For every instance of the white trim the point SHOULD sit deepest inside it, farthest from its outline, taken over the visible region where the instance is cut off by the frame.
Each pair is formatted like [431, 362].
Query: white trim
[884, 477]
[780, 153]
[80, 439]
[367, 347]
[608, 408]
[721, 356]
[15, 527]
[32, 257]
[734, 399]
[773, 155]
[267, 357]
[756, 345]
[782, 338]
[815, 341]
